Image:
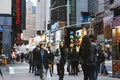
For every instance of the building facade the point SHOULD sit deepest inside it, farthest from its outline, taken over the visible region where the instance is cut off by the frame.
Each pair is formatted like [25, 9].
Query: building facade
[41, 16]
[115, 6]
[98, 10]
[106, 14]
[58, 14]
[82, 14]
[30, 30]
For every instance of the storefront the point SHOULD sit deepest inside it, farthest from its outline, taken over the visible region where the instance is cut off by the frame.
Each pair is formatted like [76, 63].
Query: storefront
[116, 46]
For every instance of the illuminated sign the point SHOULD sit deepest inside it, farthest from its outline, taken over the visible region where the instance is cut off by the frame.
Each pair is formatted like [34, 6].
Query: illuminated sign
[18, 13]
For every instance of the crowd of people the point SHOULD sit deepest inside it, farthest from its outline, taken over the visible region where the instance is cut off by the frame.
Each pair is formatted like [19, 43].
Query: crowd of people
[89, 55]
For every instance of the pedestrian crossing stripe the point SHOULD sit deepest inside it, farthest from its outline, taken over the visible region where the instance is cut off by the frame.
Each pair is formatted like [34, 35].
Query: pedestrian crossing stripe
[11, 70]
[18, 69]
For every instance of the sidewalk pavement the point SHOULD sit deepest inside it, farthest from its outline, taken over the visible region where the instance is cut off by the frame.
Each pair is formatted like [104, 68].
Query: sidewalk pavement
[30, 76]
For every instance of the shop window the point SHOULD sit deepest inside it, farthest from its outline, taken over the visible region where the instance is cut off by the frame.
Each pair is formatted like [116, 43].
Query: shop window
[117, 11]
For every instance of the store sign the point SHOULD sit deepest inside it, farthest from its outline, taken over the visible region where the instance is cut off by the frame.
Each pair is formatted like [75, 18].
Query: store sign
[54, 27]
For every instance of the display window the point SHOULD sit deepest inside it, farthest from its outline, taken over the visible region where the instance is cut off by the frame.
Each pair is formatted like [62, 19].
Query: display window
[116, 51]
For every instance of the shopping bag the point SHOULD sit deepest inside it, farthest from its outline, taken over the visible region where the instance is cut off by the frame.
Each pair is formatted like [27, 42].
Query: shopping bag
[48, 75]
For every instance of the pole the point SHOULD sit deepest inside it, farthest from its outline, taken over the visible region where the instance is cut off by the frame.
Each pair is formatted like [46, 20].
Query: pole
[68, 17]
[57, 7]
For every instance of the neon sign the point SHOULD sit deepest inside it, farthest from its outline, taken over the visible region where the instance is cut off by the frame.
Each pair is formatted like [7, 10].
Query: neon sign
[18, 13]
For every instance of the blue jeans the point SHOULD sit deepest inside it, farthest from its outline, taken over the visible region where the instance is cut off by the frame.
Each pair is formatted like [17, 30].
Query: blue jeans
[89, 71]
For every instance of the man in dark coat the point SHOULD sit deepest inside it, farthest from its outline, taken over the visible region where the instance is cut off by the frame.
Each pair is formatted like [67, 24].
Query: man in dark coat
[30, 61]
[35, 52]
[42, 61]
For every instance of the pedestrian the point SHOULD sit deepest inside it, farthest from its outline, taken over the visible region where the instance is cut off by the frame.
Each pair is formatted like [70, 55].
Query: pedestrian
[51, 59]
[109, 52]
[13, 56]
[22, 57]
[42, 62]
[88, 56]
[62, 60]
[18, 57]
[74, 61]
[30, 61]
[35, 52]
[57, 60]
[69, 57]
[99, 57]
[103, 66]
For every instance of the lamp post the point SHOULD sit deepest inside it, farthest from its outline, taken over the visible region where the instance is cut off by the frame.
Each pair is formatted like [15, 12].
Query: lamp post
[68, 16]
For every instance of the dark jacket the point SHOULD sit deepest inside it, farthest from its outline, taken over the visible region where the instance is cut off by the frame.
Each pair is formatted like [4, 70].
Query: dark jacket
[63, 54]
[45, 62]
[74, 56]
[35, 52]
[89, 58]
[30, 58]
[100, 54]
[51, 57]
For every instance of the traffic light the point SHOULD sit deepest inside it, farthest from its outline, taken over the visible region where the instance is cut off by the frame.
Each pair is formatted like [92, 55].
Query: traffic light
[71, 35]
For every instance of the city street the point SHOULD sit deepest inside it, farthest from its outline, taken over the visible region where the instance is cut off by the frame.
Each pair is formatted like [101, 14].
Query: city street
[19, 71]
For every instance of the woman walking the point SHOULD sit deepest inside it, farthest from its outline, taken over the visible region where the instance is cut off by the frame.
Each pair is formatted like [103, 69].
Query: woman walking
[62, 60]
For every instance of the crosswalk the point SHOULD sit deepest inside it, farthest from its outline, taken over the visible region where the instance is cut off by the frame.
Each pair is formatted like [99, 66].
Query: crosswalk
[18, 69]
